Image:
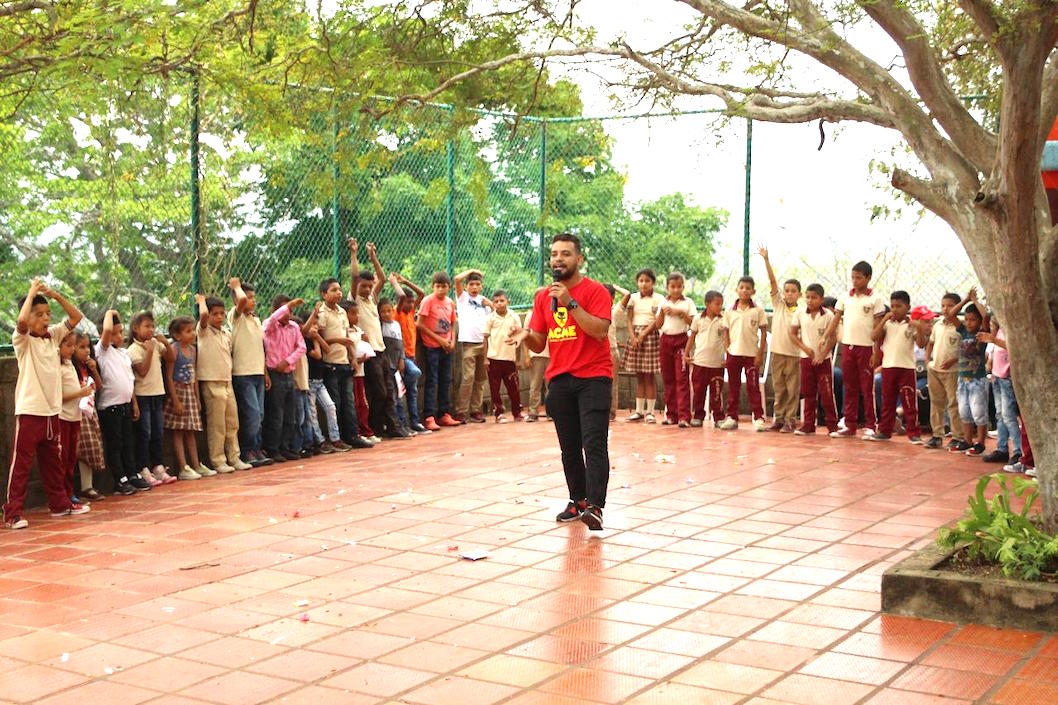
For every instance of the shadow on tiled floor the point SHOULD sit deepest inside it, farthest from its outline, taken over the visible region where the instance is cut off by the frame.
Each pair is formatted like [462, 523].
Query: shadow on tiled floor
[745, 572]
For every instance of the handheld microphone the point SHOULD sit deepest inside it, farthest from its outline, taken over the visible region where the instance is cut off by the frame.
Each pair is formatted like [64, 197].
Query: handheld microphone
[556, 275]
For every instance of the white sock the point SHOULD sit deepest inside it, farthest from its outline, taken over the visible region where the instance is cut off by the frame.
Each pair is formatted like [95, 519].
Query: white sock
[641, 405]
[650, 405]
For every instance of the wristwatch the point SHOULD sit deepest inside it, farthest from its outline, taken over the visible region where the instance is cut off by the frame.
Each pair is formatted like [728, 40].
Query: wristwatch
[572, 305]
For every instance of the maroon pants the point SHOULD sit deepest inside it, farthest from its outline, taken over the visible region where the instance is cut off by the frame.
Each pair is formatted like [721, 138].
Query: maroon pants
[36, 436]
[504, 372]
[674, 375]
[858, 376]
[1026, 450]
[711, 380]
[362, 410]
[817, 385]
[898, 382]
[735, 365]
[69, 434]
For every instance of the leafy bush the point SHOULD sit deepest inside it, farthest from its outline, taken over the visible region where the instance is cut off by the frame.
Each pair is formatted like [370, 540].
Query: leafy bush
[993, 532]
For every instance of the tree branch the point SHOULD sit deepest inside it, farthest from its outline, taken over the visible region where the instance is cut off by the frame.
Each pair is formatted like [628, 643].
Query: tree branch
[20, 7]
[984, 15]
[929, 193]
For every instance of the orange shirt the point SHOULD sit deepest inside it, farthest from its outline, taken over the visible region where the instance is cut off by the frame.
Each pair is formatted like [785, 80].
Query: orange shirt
[407, 331]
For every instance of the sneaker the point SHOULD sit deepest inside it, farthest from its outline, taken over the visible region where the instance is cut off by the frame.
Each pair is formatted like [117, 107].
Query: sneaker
[787, 427]
[845, 433]
[934, 443]
[592, 517]
[915, 440]
[139, 483]
[373, 439]
[1030, 472]
[277, 458]
[868, 432]
[634, 416]
[124, 487]
[976, 449]
[958, 447]
[92, 495]
[667, 422]
[224, 468]
[341, 446]
[572, 512]
[326, 448]
[993, 434]
[419, 428]
[683, 424]
[1014, 467]
[696, 423]
[996, 456]
[16, 523]
[288, 454]
[502, 419]
[521, 417]
[205, 471]
[74, 510]
[477, 417]
[446, 420]
[758, 425]
[728, 424]
[162, 476]
[240, 465]
[803, 431]
[188, 474]
[149, 478]
[877, 437]
[531, 418]
[430, 425]
[361, 442]
[776, 426]
[460, 419]
[649, 418]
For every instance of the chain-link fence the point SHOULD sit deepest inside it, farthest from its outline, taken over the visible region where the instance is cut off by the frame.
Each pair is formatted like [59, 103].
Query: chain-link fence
[139, 202]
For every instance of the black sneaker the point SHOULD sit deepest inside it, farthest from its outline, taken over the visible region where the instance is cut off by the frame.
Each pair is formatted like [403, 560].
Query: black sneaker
[360, 442]
[123, 487]
[277, 457]
[419, 428]
[573, 511]
[290, 455]
[399, 434]
[592, 517]
[996, 456]
[976, 450]
[957, 446]
[878, 437]
[139, 483]
[934, 443]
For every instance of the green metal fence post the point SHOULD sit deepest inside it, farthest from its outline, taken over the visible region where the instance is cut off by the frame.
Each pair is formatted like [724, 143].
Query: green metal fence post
[450, 209]
[749, 180]
[336, 234]
[543, 197]
[196, 197]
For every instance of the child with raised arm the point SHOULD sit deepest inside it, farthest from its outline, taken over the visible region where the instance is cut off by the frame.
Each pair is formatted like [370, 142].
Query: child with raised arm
[284, 346]
[536, 363]
[472, 311]
[248, 376]
[642, 351]
[146, 351]
[897, 334]
[808, 331]
[90, 444]
[704, 354]
[500, 327]
[407, 305]
[675, 315]
[214, 366]
[38, 403]
[743, 322]
[942, 373]
[437, 318]
[973, 379]
[338, 357]
[857, 312]
[117, 406]
[182, 415]
[316, 347]
[785, 363]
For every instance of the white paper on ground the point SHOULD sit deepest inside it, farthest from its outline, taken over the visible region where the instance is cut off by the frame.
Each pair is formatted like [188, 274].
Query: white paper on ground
[475, 554]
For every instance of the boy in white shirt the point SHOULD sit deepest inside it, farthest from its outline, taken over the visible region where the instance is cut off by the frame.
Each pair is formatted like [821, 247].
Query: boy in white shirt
[704, 354]
[808, 331]
[472, 309]
[675, 314]
[897, 334]
[742, 323]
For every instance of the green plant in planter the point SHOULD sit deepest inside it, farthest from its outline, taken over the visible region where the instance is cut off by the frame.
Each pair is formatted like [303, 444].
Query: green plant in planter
[993, 532]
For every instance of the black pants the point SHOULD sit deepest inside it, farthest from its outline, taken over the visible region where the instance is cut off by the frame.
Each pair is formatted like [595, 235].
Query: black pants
[279, 413]
[382, 413]
[119, 440]
[580, 408]
[338, 379]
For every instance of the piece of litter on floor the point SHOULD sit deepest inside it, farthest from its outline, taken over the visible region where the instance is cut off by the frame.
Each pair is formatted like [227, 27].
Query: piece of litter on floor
[322, 497]
[457, 455]
[351, 543]
[453, 547]
[296, 514]
[342, 491]
[690, 480]
[475, 555]
[625, 487]
[65, 657]
[663, 458]
[168, 609]
[109, 671]
[278, 639]
[273, 520]
[323, 547]
[303, 618]
[770, 461]
[301, 603]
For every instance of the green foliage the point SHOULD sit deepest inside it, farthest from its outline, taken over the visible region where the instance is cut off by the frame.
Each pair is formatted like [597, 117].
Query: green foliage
[994, 532]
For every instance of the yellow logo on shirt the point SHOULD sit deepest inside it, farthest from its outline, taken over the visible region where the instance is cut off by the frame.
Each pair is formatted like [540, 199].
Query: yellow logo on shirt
[565, 330]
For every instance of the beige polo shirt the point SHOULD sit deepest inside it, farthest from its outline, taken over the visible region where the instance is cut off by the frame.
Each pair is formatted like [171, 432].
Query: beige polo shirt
[301, 374]
[370, 323]
[812, 328]
[499, 328]
[247, 344]
[71, 409]
[675, 325]
[333, 323]
[743, 326]
[781, 318]
[859, 312]
[644, 309]
[214, 362]
[898, 347]
[38, 391]
[708, 341]
[151, 384]
[946, 340]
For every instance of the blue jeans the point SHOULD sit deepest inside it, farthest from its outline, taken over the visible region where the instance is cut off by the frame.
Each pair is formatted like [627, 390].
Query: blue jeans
[149, 432]
[318, 397]
[249, 397]
[1006, 415]
[973, 401]
[438, 390]
[412, 373]
[303, 435]
[338, 379]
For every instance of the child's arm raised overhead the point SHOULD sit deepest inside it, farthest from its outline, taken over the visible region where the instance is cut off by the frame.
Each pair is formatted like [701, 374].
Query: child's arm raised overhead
[419, 293]
[108, 328]
[459, 280]
[394, 281]
[763, 252]
[313, 319]
[241, 302]
[73, 314]
[380, 274]
[203, 312]
[27, 306]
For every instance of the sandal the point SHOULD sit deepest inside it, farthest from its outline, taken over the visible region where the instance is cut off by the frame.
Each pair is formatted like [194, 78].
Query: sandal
[92, 495]
[650, 418]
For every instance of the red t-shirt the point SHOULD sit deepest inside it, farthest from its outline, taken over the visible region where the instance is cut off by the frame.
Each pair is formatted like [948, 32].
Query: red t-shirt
[439, 316]
[572, 350]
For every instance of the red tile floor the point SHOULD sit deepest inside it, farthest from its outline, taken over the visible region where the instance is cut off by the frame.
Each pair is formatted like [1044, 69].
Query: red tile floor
[746, 571]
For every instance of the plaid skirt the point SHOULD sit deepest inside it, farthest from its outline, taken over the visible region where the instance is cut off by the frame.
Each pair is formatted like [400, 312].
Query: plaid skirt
[191, 419]
[90, 444]
[643, 358]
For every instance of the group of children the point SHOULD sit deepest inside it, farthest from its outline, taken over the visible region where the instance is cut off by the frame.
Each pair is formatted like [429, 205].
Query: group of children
[346, 375]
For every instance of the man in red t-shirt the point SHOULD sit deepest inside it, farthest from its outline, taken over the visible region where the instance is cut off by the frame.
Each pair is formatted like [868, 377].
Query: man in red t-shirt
[572, 317]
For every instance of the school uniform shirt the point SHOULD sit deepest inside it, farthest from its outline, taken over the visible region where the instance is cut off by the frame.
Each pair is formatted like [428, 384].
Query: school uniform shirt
[333, 324]
[812, 328]
[782, 318]
[71, 408]
[743, 326]
[644, 309]
[38, 391]
[945, 338]
[472, 316]
[898, 346]
[115, 370]
[573, 351]
[859, 312]
[499, 329]
[708, 341]
[214, 362]
[247, 344]
[407, 331]
[370, 323]
[151, 384]
[673, 324]
[546, 352]
[439, 317]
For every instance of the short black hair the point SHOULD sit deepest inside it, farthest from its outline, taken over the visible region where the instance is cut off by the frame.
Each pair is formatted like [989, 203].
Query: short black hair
[366, 275]
[673, 277]
[38, 299]
[137, 320]
[179, 324]
[246, 288]
[280, 300]
[441, 278]
[816, 289]
[794, 282]
[901, 296]
[213, 302]
[951, 296]
[647, 272]
[501, 292]
[568, 237]
[474, 277]
[103, 318]
[971, 309]
[325, 284]
[829, 302]
[712, 295]
[863, 268]
[348, 305]
[384, 302]
[748, 280]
